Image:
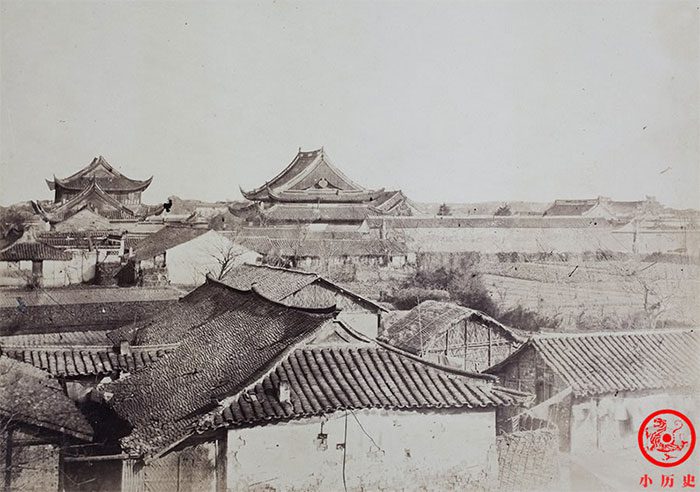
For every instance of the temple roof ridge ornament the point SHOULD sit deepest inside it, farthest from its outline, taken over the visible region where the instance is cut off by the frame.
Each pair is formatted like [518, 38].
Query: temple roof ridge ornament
[101, 171]
[310, 174]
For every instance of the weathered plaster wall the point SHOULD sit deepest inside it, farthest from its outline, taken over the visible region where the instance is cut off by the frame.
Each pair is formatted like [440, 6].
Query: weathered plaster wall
[188, 263]
[610, 422]
[409, 450]
[79, 269]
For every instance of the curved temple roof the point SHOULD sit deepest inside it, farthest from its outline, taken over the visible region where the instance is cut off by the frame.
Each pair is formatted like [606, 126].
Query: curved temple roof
[99, 170]
[310, 177]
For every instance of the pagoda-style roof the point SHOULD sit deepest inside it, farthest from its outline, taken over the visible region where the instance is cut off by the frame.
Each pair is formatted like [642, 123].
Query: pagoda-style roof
[93, 197]
[311, 178]
[100, 171]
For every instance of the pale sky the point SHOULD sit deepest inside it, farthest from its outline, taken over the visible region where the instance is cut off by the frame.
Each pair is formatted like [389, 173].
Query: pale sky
[449, 101]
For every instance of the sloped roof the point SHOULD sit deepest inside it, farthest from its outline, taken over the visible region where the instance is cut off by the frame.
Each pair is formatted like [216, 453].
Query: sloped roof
[310, 173]
[30, 396]
[177, 320]
[34, 250]
[164, 400]
[165, 239]
[323, 248]
[100, 171]
[326, 379]
[606, 362]
[571, 207]
[433, 318]
[91, 193]
[86, 295]
[317, 213]
[80, 239]
[285, 284]
[84, 360]
[66, 338]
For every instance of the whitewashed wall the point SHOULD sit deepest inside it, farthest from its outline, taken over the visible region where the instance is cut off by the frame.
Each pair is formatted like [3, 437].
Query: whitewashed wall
[407, 450]
[81, 268]
[188, 263]
[600, 423]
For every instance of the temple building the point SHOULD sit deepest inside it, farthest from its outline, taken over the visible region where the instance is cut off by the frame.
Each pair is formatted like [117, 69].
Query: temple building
[312, 190]
[94, 198]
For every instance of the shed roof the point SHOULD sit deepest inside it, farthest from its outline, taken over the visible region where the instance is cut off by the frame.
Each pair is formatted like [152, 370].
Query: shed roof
[606, 362]
[30, 396]
[433, 318]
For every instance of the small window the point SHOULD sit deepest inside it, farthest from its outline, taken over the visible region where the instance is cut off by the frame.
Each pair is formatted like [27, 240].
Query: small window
[37, 268]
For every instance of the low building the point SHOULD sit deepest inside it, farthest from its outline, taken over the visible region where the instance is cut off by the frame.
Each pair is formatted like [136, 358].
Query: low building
[37, 422]
[596, 388]
[186, 255]
[306, 289]
[324, 404]
[604, 208]
[80, 360]
[29, 262]
[79, 308]
[454, 335]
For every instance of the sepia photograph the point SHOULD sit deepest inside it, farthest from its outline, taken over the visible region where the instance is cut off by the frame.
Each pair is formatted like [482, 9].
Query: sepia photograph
[349, 246]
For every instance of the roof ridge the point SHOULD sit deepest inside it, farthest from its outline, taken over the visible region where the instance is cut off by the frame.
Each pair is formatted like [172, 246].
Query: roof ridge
[332, 309]
[454, 370]
[660, 331]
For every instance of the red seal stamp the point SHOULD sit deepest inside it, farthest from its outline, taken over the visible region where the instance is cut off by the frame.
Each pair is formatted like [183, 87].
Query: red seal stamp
[666, 438]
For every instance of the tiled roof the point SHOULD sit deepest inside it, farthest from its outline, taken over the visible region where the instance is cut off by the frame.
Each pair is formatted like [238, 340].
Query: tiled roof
[596, 363]
[77, 360]
[106, 176]
[570, 207]
[323, 380]
[22, 250]
[276, 283]
[67, 338]
[433, 318]
[166, 238]
[89, 196]
[303, 173]
[30, 396]
[215, 360]
[80, 239]
[290, 286]
[176, 321]
[314, 213]
[456, 222]
[87, 295]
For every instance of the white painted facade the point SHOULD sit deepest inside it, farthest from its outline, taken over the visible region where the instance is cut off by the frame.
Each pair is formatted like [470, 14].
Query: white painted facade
[54, 273]
[188, 263]
[407, 450]
[610, 422]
